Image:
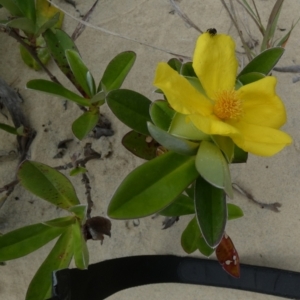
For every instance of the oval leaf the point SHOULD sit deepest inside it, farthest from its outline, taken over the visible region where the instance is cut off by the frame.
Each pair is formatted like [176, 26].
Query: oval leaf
[171, 142]
[152, 186]
[131, 108]
[264, 62]
[11, 7]
[48, 184]
[234, 212]
[137, 144]
[25, 240]
[190, 237]
[82, 126]
[175, 64]
[251, 77]
[61, 222]
[239, 156]
[56, 89]
[182, 205]
[81, 254]
[116, 71]
[79, 211]
[23, 24]
[213, 167]
[59, 258]
[162, 114]
[226, 144]
[8, 128]
[27, 8]
[211, 211]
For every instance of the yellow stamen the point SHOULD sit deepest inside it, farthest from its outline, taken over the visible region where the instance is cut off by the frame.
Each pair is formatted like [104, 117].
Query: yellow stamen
[228, 106]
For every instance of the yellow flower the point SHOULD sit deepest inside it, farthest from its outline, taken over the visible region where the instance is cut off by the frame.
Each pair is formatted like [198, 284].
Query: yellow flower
[250, 116]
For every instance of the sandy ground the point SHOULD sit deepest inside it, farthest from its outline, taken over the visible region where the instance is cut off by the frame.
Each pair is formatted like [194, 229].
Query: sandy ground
[262, 237]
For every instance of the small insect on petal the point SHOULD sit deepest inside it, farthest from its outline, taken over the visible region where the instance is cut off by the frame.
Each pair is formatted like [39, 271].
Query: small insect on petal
[212, 31]
[228, 257]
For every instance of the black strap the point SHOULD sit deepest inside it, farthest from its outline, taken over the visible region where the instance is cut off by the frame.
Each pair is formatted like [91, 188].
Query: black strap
[111, 276]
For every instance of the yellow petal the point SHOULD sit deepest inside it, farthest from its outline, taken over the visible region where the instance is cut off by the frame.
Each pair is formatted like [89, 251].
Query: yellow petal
[213, 125]
[215, 63]
[260, 140]
[261, 105]
[181, 95]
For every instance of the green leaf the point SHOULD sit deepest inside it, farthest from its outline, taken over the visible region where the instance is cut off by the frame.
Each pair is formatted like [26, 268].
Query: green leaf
[162, 114]
[48, 184]
[264, 62]
[239, 156]
[213, 167]
[77, 170]
[12, 8]
[81, 253]
[225, 144]
[188, 70]
[59, 258]
[137, 144]
[79, 211]
[171, 142]
[182, 205]
[8, 128]
[50, 23]
[131, 108]
[61, 222]
[204, 248]
[58, 42]
[183, 129]
[116, 71]
[82, 126]
[25, 240]
[234, 212]
[190, 237]
[195, 82]
[251, 77]
[175, 64]
[27, 8]
[98, 98]
[80, 71]
[57, 90]
[211, 211]
[152, 186]
[23, 24]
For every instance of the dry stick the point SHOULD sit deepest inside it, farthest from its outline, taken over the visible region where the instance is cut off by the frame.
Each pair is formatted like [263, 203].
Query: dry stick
[238, 30]
[88, 188]
[183, 16]
[118, 35]
[271, 206]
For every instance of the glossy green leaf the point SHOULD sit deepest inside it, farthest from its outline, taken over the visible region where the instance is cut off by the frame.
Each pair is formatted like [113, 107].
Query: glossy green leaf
[99, 98]
[25, 240]
[79, 211]
[61, 222]
[23, 24]
[188, 70]
[161, 114]
[213, 167]
[204, 248]
[264, 62]
[27, 8]
[251, 77]
[190, 237]
[8, 128]
[225, 144]
[239, 156]
[80, 70]
[82, 126]
[152, 186]
[59, 258]
[211, 211]
[58, 42]
[171, 142]
[116, 71]
[48, 184]
[234, 212]
[57, 90]
[81, 253]
[77, 170]
[182, 128]
[175, 64]
[50, 23]
[137, 144]
[182, 205]
[131, 108]
[12, 8]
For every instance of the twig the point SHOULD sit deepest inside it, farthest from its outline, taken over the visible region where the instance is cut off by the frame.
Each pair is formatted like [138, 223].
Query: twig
[288, 69]
[88, 188]
[183, 16]
[9, 187]
[271, 206]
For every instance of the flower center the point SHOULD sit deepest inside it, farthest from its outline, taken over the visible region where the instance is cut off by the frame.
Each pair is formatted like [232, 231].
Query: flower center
[228, 105]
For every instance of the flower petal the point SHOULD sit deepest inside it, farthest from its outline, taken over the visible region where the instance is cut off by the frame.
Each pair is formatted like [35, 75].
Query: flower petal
[181, 95]
[260, 140]
[261, 105]
[215, 63]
